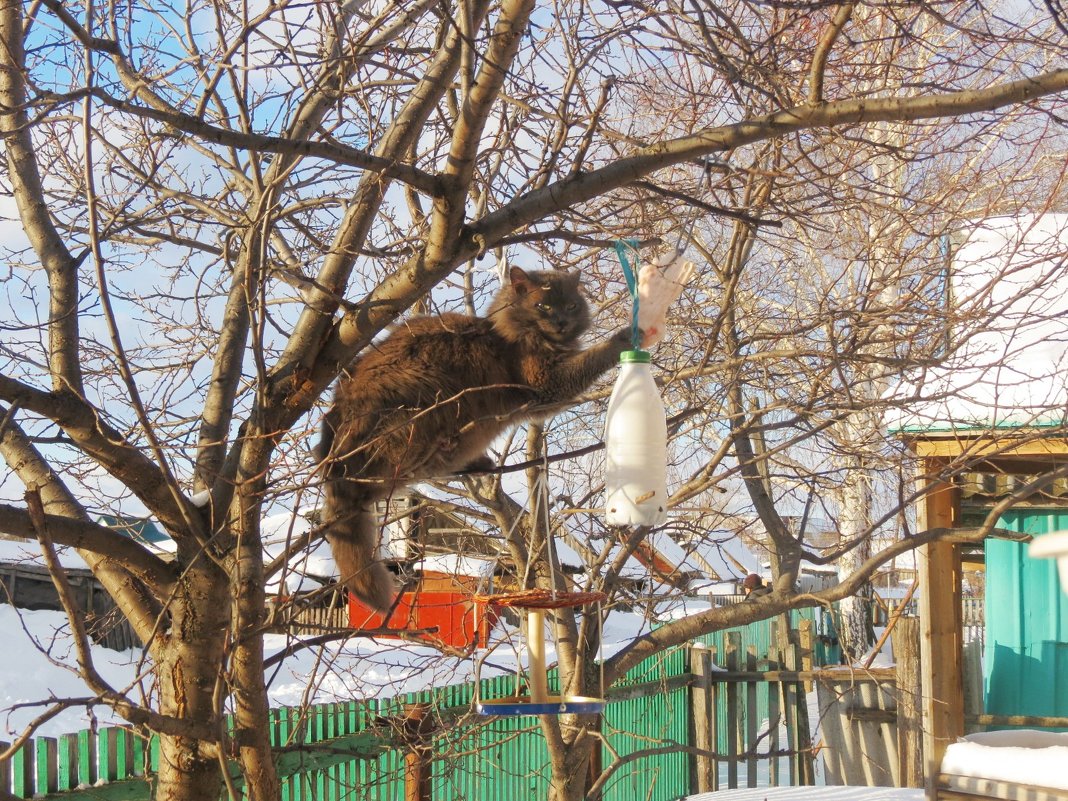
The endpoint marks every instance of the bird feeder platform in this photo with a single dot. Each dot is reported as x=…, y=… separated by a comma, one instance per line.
x=539, y=702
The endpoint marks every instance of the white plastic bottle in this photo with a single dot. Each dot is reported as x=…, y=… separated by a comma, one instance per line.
x=636, y=447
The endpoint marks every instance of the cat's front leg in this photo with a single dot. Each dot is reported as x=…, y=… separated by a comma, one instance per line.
x=577, y=372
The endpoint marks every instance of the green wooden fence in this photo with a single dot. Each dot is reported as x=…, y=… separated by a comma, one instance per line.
x=356, y=751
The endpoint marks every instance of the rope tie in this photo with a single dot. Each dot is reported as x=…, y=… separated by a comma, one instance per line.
x=630, y=273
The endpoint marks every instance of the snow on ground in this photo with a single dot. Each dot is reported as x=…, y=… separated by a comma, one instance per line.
x=40, y=661
x=813, y=794
x=1023, y=756
x=38, y=668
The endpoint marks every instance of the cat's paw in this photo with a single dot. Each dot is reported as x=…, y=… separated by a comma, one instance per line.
x=624, y=340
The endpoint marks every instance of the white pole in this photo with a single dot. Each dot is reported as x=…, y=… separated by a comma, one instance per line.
x=539, y=680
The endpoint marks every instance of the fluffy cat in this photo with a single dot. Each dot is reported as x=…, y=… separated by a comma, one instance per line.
x=430, y=399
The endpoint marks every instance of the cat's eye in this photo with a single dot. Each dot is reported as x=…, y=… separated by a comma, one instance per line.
x=572, y=306
x=543, y=307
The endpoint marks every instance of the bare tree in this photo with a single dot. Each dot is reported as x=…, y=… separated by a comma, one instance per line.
x=222, y=208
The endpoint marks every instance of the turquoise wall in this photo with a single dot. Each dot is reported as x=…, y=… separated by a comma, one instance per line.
x=1025, y=663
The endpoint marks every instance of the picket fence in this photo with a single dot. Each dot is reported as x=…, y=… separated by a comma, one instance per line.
x=694, y=727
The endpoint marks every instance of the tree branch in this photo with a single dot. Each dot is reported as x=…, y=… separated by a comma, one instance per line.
x=25, y=176
x=573, y=190
x=682, y=631
x=333, y=152
x=88, y=430
x=823, y=50
x=141, y=609
x=85, y=535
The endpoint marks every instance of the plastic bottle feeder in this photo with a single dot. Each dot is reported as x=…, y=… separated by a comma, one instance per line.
x=1053, y=546
x=539, y=702
x=635, y=447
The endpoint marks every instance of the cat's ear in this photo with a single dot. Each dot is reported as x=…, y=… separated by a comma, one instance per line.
x=520, y=280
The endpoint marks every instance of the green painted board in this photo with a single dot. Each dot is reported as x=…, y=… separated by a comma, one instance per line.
x=1025, y=661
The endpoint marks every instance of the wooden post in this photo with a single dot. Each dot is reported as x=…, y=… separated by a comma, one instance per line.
x=795, y=707
x=417, y=729
x=703, y=720
x=940, y=632
x=733, y=647
x=752, y=719
x=906, y=641
x=804, y=634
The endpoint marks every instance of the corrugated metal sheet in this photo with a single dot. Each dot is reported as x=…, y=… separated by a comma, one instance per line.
x=504, y=758
x=508, y=757
x=1025, y=663
x=647, y=723
x=759, y=636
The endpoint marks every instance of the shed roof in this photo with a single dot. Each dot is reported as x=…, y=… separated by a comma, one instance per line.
x=1008, y=369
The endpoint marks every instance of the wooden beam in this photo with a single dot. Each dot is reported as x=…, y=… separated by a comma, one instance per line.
x=940, y=630
x=1032, y=721
x=1034, y=444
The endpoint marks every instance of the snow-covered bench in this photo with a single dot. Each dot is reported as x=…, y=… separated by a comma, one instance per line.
x=1020, y=765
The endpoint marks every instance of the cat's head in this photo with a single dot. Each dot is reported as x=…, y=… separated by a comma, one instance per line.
x=547, y=304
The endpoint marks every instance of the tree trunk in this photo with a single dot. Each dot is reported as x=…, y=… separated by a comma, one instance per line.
x=855, y=629
x=248, y=686
x=189, y=665
x=571, y=767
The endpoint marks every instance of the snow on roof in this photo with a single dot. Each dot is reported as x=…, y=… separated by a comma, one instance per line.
x=1014, y=371
x=309, y=569
x=718, y=553
x=456, y=565
x=711, y=555
x=28, y=552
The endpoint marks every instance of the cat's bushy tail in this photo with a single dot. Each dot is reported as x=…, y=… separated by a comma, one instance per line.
x=352, y=530
x=353, y=540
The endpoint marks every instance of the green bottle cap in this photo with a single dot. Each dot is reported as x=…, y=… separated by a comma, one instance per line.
x=635, y=357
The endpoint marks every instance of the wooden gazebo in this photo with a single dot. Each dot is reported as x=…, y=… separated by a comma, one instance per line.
x=1018, y=451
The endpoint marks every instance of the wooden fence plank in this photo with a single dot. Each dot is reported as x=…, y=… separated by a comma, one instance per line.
x=137, y=743
x=5, y=771
x=22, y=771
x=906, y=644
x=752, y=720
x=774, y=722
x=803, y=773
x=804, y=639
x=123, y=754
x=789, y=713
x=45, y=759
x=734, y=717
x=704, y=714
x=105, y=755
